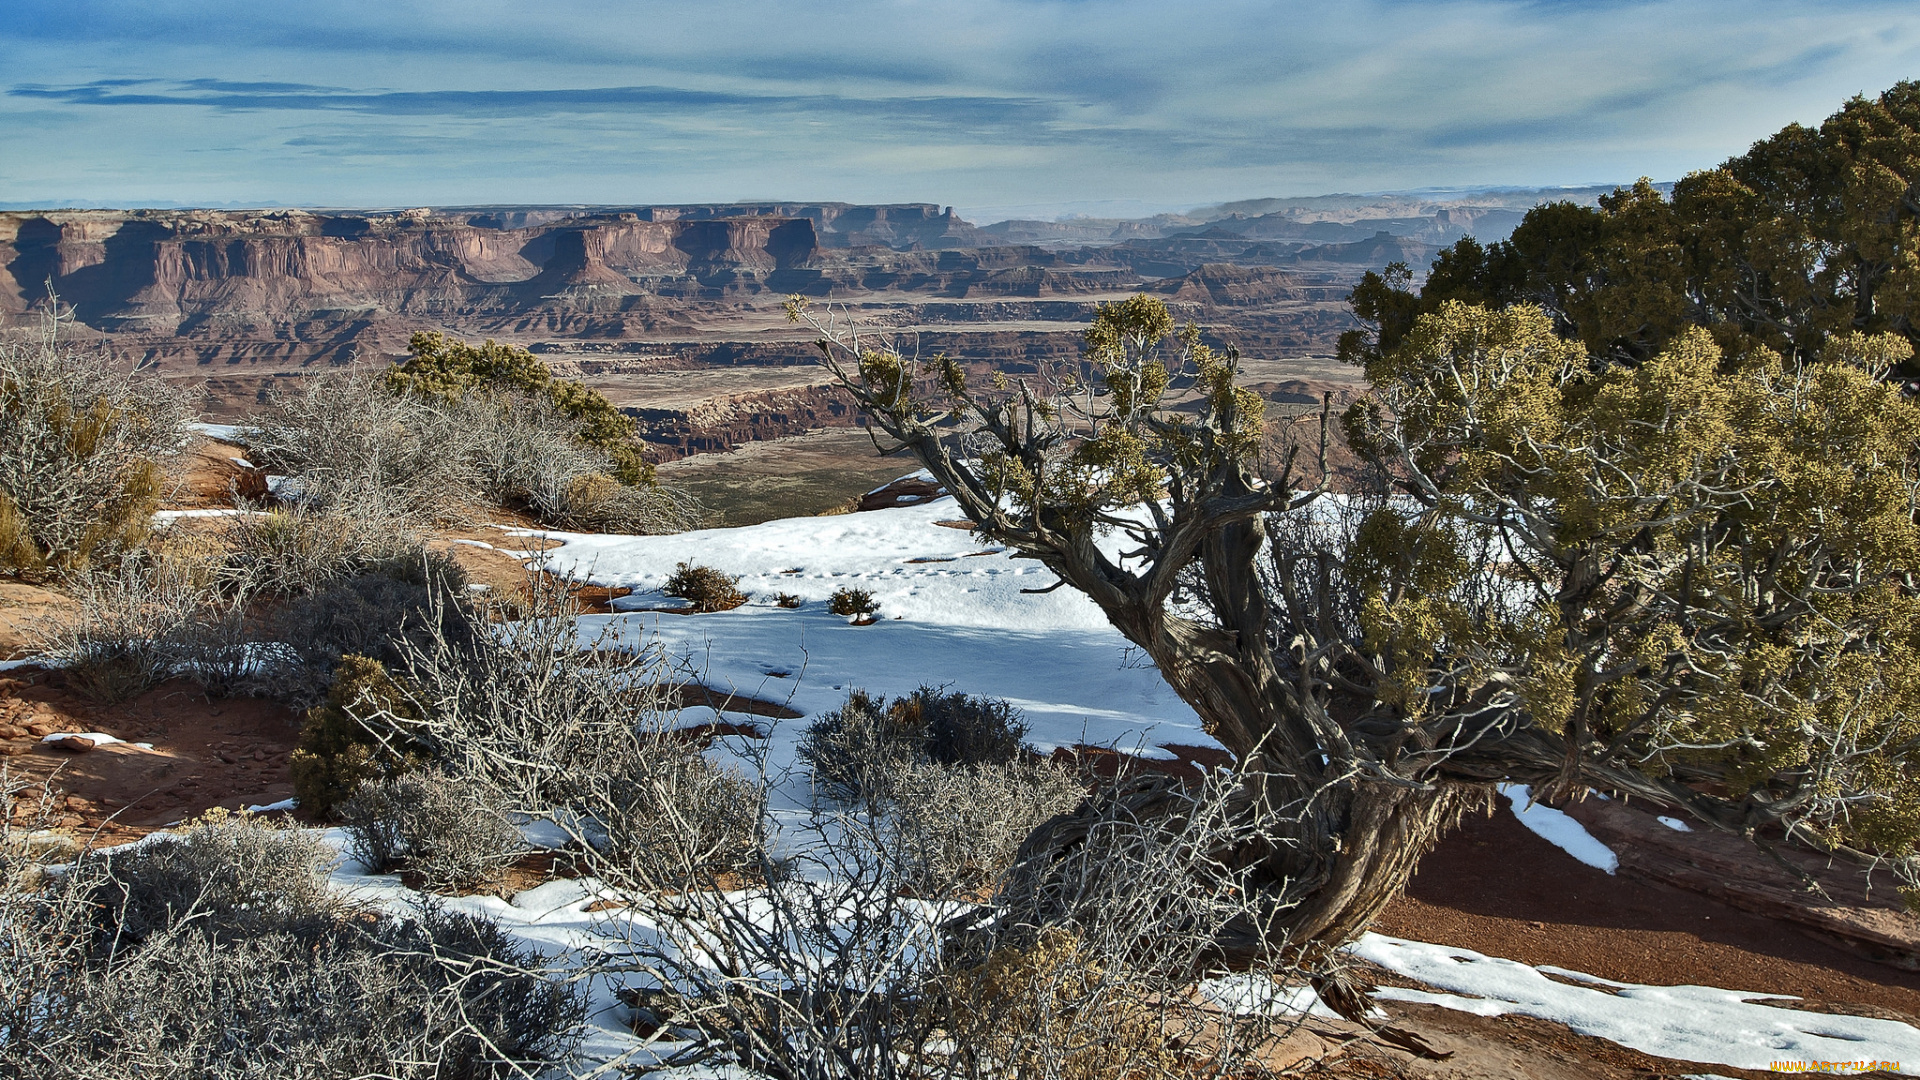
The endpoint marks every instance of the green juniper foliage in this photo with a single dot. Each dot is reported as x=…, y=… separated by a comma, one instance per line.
x=1639, y=515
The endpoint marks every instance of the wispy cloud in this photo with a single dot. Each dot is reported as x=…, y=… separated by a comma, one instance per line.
x=993, y=102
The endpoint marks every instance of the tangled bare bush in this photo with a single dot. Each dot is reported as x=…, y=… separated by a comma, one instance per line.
x=141, y=625
x=520, y=706
x=668, y=817
x=220, y=954
x=300, y=549
x=232, y=877
x=351, y=447
x=361, y=445
x=840, y=967
x=82, y=445
x=958, y=828
x=545, y=723
x=1108, y=962
x=596, y=502
x=448, y=833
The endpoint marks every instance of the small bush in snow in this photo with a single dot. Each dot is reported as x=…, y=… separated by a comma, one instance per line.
x=704, y=587
x=448, y=833
x=788, y=600
x=962, y=729
x=82, y=444
x=862, y=749
x=855, y=603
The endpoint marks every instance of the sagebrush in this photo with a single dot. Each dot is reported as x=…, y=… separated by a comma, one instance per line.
x=83, y=448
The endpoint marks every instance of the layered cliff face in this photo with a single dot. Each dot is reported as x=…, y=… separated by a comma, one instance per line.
x=157, y=271
x=231, y=304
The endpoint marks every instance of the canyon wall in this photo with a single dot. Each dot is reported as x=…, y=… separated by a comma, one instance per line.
x=230, y=304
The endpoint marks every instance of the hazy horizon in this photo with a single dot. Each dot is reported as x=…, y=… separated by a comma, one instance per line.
x=975, y=215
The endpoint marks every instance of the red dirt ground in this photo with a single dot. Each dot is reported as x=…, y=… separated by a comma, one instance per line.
x=206, y=753
x=1494, y=887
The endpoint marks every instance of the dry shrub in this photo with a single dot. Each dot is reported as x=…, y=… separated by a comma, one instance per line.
x=82, y=444
x=958, y=828
x=862, y=749
x=704, y=587
x=854, y=603
x=374, y=448
x=300, y=549
x=232, y=877
x=1051, y=1009
x=962, y=729
x=446, y=832
x=366, y=615
x=596, y=502
x=141, y=625
x=671, y=818
x=788, y=600
x=353, y=449
x=220, y=953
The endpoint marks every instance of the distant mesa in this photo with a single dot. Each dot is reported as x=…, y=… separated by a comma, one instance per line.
x=229, y=302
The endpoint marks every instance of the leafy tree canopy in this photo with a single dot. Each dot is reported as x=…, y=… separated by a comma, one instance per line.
x=1812, y=233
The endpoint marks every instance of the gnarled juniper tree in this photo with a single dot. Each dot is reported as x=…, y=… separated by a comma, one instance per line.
x=1690, y=579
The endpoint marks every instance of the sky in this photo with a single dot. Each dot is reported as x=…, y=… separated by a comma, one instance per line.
x=997, y=107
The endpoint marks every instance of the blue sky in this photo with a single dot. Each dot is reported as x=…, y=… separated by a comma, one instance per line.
x=997, y=107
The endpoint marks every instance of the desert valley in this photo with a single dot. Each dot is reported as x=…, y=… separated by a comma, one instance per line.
x=486, y=596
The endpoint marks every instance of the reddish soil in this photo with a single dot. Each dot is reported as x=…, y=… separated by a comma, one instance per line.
x=1494, y=887
x=205, y=753
x=208, y=476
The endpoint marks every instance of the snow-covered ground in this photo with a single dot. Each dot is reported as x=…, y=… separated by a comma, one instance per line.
x=953, y=612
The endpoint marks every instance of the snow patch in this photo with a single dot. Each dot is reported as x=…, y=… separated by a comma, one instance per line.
x=98, y=738
x=1556, y=828
x=1690, y=1023
x=227, y=433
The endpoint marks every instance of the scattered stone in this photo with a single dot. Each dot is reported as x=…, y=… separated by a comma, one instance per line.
x=73, y=744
